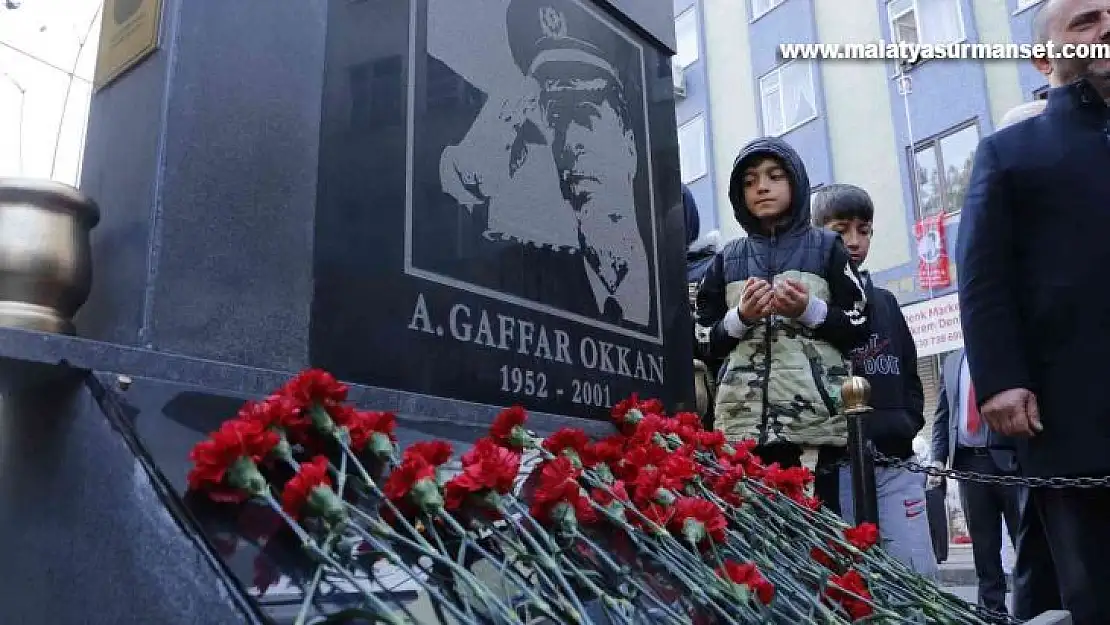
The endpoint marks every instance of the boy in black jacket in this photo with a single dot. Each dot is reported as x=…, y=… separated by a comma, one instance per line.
x=889, y=362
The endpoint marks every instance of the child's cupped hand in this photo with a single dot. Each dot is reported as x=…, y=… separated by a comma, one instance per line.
x=790, y=298
x=756, y=301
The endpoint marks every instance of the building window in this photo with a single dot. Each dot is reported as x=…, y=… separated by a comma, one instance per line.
x=762, y=7
x=788, y=97
x=686, y=36
x=1040, y=93
x=925, y=21
x=943, y=170
x=692, y=158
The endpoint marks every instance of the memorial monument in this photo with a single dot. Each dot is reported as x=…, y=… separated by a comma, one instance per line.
x=454, y=205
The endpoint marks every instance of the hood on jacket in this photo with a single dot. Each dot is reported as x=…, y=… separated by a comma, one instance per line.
x=693, y=220
x=799, y=184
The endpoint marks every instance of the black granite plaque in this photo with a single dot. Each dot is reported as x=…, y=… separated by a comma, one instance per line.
x=491, y=221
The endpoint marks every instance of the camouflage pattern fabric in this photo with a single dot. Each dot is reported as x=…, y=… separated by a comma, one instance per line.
x=799, y=381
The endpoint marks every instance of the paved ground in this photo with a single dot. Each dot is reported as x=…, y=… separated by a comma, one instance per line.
x=959, y=568
x=957, y=573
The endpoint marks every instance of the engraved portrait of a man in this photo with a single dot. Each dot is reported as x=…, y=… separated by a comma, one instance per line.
x=554, y=162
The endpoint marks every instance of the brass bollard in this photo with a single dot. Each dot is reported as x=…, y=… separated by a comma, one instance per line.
x=45, y=255
x=854, y=394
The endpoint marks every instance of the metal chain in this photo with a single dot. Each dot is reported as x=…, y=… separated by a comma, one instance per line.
x=1003, y=480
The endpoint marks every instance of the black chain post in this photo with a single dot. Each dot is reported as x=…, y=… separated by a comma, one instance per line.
x=855, y=393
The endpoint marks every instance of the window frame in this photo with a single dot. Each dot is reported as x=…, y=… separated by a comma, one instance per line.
x=916, y=9
x=778, y=72
x=934, y=142
x=755, y=16
x=695, y=18
x=704, y=141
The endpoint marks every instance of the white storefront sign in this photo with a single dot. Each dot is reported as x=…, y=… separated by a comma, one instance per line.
x=935, y=325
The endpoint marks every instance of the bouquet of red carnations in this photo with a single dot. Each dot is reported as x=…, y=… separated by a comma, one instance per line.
x=662, y=522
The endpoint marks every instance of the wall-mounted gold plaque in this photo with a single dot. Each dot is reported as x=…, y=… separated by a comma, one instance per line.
x=128, y=34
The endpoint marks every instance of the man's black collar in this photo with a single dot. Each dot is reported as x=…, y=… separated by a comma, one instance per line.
x=1076, y=95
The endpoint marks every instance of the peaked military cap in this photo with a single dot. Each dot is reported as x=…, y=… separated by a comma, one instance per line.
x=559, y=31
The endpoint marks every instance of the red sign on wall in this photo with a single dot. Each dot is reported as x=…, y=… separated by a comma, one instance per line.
x=932, y=253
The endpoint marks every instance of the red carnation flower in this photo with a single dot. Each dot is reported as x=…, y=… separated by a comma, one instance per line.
x=609, y=451
x=850, y=591
x=656, y=513
x=629, y=412
x=748, y=574
x=374, y=429
x=698, y=519
x=611, y=493
x=279, y=413
x=686, y=426
x=640, y=458
x=413, y=482
x=435, y=453
x=791, y=482
x=727, y=485
x=508, y=428
x=713, y=440
x=679, y=469
x=652, y=485
x=225, y=464
x=558, y=493
x=740, y=453
x=309, y=491
x=487, y=467
x=572, y=442
x=649, y=431
x=315, y=387
x=863, y=536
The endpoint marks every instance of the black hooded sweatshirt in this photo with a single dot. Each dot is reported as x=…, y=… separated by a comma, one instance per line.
x=889, y=362
x=794, y=245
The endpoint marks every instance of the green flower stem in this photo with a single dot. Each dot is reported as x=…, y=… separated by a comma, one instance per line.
x=544, y=559
x=309, y=595
x=460, y=562
x=676, y=562
x=377, y=492
x=520, y=583
x=310, y=592
x=433, y=592
x=387, y=532
x=385, y=613
x=618, y=570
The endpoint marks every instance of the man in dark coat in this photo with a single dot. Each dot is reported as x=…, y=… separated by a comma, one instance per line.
x=1032, y=257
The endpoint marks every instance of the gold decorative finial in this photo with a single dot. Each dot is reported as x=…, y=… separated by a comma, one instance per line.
x=855, y=393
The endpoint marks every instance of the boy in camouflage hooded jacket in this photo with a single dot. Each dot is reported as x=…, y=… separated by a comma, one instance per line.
x=784, y=306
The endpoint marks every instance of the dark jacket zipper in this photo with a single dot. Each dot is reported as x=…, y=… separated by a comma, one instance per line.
x=769, y=324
